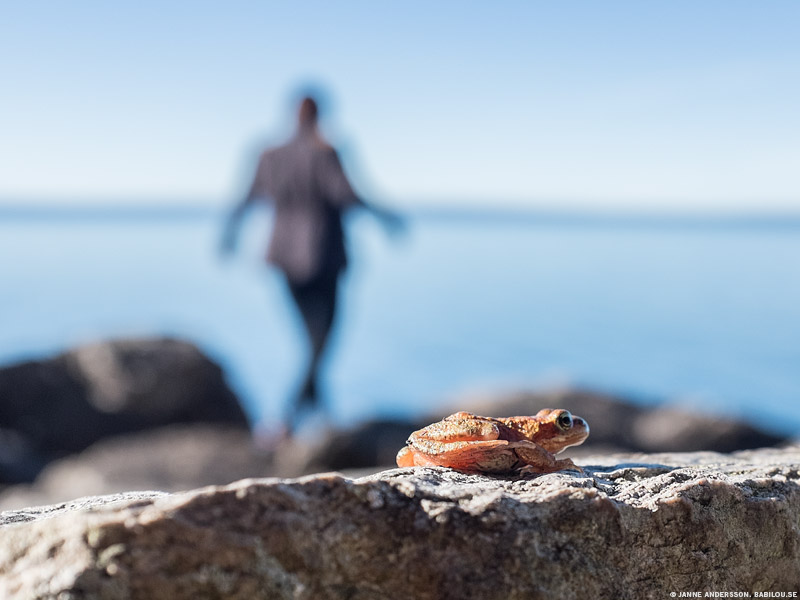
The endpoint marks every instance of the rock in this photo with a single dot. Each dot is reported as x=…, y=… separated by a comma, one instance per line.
x=370, y=444
x=63, y=405
x=669, y=429
x=636, y=526
x=19, y=461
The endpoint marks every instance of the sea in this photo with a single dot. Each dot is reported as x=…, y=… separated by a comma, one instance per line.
x=698, y=312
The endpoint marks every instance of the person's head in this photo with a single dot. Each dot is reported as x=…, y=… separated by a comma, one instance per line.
x=308, y=113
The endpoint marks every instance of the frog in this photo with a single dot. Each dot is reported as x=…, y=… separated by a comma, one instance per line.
x=506, y=445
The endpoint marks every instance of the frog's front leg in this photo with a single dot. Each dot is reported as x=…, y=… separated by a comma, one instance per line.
x=538, y=460
x=405, y=458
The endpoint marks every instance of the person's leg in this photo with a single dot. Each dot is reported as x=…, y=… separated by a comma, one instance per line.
x=316, y=301
x=319, y=328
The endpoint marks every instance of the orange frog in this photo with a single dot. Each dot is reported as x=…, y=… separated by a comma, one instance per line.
x=470, y=443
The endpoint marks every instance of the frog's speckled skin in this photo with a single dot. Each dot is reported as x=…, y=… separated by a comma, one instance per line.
x=470, y=443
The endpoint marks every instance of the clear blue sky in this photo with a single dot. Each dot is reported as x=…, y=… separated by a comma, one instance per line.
x=650, y=104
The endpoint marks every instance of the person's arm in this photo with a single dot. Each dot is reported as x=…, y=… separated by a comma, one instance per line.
x=392, y=221
x=342, y=194
x=233, y=222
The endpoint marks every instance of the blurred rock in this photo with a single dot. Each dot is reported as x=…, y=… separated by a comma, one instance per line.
x=19, y=461
x=630, y=526
x=370, y=444
x=64, y=404
x=668, y=429
x=171, y=459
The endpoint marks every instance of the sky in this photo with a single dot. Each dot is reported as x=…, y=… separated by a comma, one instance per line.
x=650, y=105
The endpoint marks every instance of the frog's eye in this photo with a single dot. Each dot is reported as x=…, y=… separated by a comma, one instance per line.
x=564, y=421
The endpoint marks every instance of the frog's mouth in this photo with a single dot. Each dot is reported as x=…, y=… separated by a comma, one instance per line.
x=574, y=436
x=578, y=433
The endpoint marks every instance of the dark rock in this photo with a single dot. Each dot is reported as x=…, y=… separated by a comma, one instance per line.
x=19, y=462
x=370, y=444
x=629, y=527
x=63, y=405
x=668, y=429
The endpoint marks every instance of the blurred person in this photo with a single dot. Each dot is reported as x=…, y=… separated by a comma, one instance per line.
x=306, y=183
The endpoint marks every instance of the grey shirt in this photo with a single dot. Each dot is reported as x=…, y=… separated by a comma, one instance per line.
x=305, y=181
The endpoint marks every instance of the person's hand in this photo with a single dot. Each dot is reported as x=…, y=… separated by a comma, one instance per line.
x=230, y=232
x=227, y=246
x=394, y=223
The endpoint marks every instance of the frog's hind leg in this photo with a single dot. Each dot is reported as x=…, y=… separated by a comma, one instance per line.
x=472, y=456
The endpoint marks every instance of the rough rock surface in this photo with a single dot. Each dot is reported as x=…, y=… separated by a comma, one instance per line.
x=636, y=526
x=62, y=405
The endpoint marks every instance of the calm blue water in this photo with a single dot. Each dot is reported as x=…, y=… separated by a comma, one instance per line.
x=705, y=316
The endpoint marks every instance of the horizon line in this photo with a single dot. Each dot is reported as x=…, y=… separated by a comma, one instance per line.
x=542, y=215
